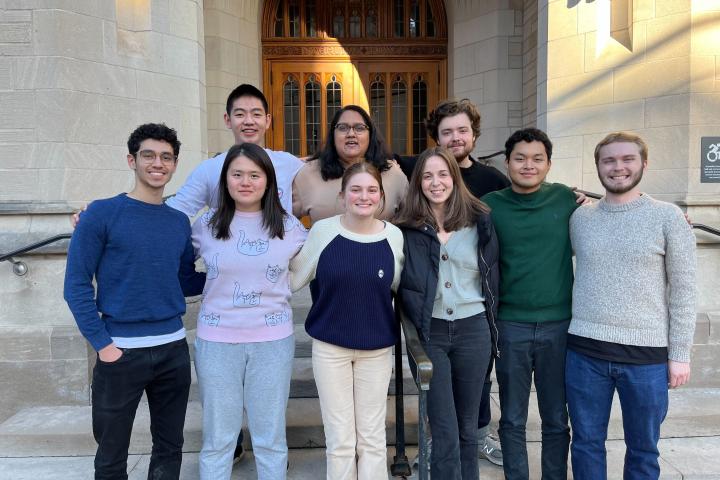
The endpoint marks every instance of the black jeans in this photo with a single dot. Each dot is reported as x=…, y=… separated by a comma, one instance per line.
x=163, y=372
x=460, y=352
x=484, y=415
x=527, y=348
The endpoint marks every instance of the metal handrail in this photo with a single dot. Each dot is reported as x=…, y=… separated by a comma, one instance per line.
x=19, y=267
x=424, y=370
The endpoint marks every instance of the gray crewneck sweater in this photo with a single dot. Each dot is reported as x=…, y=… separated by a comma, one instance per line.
x=635, y=275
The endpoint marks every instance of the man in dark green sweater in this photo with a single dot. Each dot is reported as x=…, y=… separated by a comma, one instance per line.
x=531, y=219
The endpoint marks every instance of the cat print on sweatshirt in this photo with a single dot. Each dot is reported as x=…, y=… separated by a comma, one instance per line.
x=243, y=299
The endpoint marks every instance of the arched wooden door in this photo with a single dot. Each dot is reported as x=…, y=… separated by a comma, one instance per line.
x=388, y=56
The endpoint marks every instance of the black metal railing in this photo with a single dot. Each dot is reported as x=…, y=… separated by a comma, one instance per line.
x=423, y=373
x=19, y=267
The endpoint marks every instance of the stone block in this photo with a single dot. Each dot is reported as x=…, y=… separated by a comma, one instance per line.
x=665, y=111
x=483, y=27
x=22, y=344
x=222, y=24
x=704, y=108
x=15, y=16
x=168, y=89
x=562, y=20
x=566, y=56
x=652, y=79
x=184, y=17
x=18, y=184
x=67, y=343
x=43, y=382
x=567, y=171
x=604, y=53
x=64, y=33
x=7, y=69
x=596, y=119
x=705, y=364
x=668, y=37
x=82, y=185
x=567, y=147
x=702, y=74
x=702, y=329
x=581, y=90
x=15, y=32
x=8, y=135
x=714, y=328
x=502, y=85
x=587, y=17
x=494, y=115
x=708, y=271
x=75, y=75
x=668, y=147
x=18, y=110
x=181, y=57
x=706, y=33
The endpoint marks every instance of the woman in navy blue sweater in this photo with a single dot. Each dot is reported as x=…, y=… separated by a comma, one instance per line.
x=449, y=289
x=353, y=263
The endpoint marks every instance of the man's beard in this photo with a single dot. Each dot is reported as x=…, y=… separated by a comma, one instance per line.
x=619, y=190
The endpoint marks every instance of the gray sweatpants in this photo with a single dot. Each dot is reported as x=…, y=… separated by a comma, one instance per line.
x=253, y=376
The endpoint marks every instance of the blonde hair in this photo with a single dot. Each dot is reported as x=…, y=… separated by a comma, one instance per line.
x=622, y=137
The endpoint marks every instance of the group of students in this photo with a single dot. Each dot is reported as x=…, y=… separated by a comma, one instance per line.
x=481, y=280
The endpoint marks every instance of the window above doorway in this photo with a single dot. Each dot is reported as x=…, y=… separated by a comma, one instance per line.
x=355, y=19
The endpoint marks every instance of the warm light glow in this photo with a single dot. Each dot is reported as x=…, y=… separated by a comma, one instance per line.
x=133, y=15
x=602, y=35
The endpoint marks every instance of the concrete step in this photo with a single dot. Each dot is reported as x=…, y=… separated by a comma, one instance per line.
x=67, y=430
x=680, y=459
x=302, y=383
x=62, y=431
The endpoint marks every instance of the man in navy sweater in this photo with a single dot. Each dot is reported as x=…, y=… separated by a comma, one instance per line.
x=140, y=254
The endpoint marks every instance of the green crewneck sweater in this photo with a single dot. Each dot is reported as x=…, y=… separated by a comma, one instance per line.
x=536, y=273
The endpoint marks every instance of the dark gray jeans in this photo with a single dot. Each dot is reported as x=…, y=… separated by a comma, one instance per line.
x=527, y=349
x=460, y=352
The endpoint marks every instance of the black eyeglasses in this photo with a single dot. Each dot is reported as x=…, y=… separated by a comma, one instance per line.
x=358, y=128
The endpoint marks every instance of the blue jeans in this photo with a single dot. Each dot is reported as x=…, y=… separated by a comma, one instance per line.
x=528, y=349
x=643, y=392
x=460, y=352
x=163, y=373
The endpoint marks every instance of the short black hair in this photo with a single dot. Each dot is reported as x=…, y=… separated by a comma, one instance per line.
x=154, y=131
x=528, y=135
x=245, y=90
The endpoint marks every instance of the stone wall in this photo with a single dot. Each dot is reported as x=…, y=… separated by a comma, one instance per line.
x=486, y=65
x=233, y=56
x=75, y=79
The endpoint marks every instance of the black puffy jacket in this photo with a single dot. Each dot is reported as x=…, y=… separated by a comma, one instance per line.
x=419, y=279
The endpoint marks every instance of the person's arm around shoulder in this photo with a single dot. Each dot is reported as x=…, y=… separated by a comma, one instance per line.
x=196, y=192
x=304, y=264
x=396, y=240
x=680, y=268
x=300, y=186
x=192, y=282
x=84, y=255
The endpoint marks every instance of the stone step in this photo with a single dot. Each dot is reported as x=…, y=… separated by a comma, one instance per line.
x=61, y=431
x=58, y=431
x=680, y=458
x=302, y=382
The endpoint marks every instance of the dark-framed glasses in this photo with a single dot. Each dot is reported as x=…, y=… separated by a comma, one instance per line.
x=357, y=128
x=149, y=156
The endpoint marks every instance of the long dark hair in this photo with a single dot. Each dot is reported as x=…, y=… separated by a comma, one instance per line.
x=272, y=211
x=377, y=152
x=462, y=209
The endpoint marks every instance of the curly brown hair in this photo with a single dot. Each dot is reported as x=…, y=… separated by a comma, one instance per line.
x=450, y=108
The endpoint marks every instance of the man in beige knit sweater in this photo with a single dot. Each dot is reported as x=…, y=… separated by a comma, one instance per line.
x=633, y=313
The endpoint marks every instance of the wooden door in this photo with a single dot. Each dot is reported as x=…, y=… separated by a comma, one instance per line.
x=305, y=96
x=399, y=96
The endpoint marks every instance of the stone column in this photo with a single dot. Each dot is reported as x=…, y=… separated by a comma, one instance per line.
x=75, y=79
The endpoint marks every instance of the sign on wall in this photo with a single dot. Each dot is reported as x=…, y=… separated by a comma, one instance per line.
x=710, y=160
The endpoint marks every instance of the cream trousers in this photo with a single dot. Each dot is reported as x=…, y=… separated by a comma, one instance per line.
x=353, y=387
